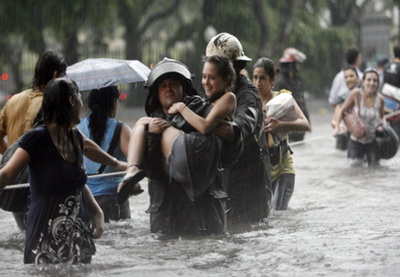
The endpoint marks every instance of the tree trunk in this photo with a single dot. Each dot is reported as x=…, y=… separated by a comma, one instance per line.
x=265, y=46
x=133, y=50
x=16, y=69
x=71, y=46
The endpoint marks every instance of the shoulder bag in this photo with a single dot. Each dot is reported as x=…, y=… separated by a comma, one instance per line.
x=353, y=121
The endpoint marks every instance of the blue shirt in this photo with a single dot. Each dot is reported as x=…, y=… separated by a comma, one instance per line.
x=103, y=185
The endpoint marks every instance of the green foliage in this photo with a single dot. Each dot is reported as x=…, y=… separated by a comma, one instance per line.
x=152, y=29
x=325, y=56
x=324, y=48
x=236, y=17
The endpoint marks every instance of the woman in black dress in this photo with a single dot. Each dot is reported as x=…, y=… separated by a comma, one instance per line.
x=63, y=216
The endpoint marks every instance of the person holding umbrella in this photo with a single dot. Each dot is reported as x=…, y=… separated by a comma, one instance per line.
x=23, y=110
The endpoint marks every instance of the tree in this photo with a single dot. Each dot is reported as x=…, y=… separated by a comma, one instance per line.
x=219, y=16
x=137, y=17
x=35, y=26
x=156, y=28
x=78, y=17
x=268, y=46
x=19, y=34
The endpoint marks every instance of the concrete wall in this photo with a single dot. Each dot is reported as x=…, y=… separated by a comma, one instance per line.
x=375, y=37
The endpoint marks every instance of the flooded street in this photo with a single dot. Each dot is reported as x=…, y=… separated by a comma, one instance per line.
x=341, y=222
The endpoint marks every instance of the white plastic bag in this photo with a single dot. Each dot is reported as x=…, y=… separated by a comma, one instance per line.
x=282, y=107
x=391, y=91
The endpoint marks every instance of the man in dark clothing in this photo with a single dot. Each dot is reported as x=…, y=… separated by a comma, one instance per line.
x=391, y=75
x=290, y=80
x=248, y=179
x=172, y=211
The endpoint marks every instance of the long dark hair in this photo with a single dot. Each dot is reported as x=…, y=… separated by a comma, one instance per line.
x=45, y=67
x=269, y=67
x=102, y=105
x=57, y=108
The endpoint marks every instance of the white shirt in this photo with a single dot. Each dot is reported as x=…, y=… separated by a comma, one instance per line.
x=339, y=87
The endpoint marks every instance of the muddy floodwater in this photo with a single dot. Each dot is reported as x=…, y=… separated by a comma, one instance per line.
x=341, y=222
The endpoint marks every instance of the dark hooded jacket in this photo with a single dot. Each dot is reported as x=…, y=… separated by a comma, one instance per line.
x=172, y=209
x=248, y=180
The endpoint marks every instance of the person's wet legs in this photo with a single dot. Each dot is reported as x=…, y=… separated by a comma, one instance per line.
x=372, y=153
x=136, y=146
x=355, y=153
x=167, y=140
x=134, y=173
x=283, y=187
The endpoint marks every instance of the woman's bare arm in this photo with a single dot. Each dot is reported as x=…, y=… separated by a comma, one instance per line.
x=348, y=103
x=95, y=210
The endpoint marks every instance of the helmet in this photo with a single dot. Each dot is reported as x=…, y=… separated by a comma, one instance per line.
x=388, y=142
x=227, y=45
x=168, y=66
x=162, y=68
x=291, y=55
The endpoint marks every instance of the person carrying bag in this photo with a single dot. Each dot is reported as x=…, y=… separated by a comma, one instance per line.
x=353, y=121
x=369, y=107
